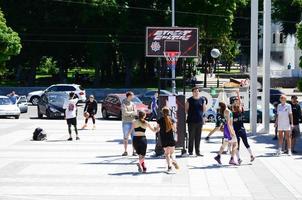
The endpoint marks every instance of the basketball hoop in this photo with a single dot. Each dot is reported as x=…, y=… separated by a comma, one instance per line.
x=171, y=57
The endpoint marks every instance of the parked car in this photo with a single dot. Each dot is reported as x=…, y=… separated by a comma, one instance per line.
x=111, y=106
x=80, y=92
x=259, y=113
x=211, y=113
x=51, y=104
x=146, y=97
x=8, y=108
x=22, y=104
x=274, y=95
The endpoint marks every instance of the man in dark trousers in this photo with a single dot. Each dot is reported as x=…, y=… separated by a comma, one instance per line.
x=296, y=109
x=195, y=108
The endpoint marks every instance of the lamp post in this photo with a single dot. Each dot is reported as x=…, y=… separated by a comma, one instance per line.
x=266, y=63
x=215, y=53
x=254, y=65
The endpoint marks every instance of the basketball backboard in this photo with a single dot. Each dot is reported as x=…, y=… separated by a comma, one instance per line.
x=178, y=39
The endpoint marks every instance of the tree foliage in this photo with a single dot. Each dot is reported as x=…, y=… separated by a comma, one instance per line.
x=9, y=41
x=288, y=12
x=109, y=35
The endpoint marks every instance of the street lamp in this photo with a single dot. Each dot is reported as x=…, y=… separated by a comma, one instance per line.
x=215, y=53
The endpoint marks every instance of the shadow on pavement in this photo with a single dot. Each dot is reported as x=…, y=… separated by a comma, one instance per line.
x=56, y=140
x=265, y=139
x=120, y=141
x=136, y=173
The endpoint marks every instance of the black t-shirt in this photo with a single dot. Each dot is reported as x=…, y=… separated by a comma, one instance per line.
x=91, y=107
x=237, y=120
x=296, y=109
x=195, y=113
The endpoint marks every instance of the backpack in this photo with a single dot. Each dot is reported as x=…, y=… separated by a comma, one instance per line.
x=39, y=135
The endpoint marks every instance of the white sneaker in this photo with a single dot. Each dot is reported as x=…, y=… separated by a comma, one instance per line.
x=278, y=153
x=290, y=153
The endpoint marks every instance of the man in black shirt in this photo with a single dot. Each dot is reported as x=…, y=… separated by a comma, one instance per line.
x=296, y=109
x=195, y=107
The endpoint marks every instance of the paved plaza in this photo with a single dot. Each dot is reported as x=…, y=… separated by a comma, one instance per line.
x=92, y=168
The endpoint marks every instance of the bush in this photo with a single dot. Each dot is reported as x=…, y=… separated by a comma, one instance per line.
x=48, y=66
x=299, y=85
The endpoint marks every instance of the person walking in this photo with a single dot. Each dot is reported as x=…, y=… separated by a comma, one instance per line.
x=154, y=106
x=90, y=110
x=167, y=128
x=139, y=139
x=284, y=122
x=70, y=107
x=195, y=108
x=229, y=135
x=239, y=127
x=128, y=116
x=297, y=117
x=218, y=124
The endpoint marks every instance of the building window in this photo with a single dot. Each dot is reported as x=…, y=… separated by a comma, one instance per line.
x=274, y=38
x=281, y=38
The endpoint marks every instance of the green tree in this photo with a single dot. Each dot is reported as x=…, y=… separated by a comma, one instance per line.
x=10, y=43
x=288, y=12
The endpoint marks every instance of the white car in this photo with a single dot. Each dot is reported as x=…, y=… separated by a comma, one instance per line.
x=8, y=109
x=79, y=91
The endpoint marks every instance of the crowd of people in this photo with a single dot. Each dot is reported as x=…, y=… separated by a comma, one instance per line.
x=229, y=121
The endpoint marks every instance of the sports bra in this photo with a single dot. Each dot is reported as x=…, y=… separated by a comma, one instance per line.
x=139, y=127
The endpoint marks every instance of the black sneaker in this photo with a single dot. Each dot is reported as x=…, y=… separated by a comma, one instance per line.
x=190, y=154
x=125, y=153
x=69, y=139
x=217, y=158
x=134, y=154
x=169, y=169
x=207, y=138
x=294, y=152
x=77, y=138
x=139, y=168
x=199, y=155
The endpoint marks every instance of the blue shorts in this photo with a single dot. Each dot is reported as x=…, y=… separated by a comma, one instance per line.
x=126, y=128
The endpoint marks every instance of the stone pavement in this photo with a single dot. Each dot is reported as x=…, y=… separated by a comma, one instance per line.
x=92, y=168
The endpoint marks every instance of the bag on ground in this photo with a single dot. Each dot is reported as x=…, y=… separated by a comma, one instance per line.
x=39, y=134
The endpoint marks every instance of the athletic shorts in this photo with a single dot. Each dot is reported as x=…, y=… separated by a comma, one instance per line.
x=296, y=131
x=72, y=121
x=233, y=140
x=126, y=128
x=140, y=145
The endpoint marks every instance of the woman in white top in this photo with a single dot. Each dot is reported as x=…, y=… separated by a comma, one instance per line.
x=284, y=122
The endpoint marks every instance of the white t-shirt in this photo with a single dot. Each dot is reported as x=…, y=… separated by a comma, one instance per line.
x=70, y=107
x=283, y=112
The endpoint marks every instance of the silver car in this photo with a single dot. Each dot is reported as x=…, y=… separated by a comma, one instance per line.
x=8, y=109
x=79, y=91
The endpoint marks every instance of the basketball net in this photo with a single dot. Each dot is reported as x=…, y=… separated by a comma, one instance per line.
x=172, y=57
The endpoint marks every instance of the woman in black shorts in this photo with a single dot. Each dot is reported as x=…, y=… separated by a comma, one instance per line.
x=167, y=128
x=139, y=139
